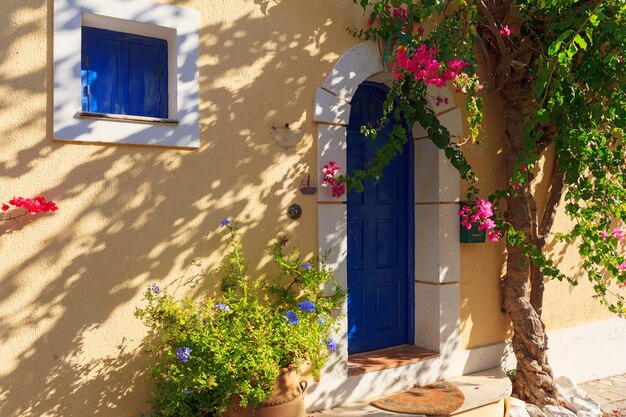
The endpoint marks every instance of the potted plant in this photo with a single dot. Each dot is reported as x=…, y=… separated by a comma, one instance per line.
x=241, y=352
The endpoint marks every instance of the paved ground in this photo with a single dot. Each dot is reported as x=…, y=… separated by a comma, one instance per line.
x=610, y=393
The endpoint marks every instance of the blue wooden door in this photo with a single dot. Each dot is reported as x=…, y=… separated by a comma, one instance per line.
x=380, y=230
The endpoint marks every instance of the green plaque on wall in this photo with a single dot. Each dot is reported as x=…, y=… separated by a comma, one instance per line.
x=472, y=235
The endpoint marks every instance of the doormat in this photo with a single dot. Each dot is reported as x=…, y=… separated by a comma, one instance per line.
x=439, y=398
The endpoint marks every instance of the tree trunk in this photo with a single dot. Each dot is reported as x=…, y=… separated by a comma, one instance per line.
x=534, y=382
x=543, y=228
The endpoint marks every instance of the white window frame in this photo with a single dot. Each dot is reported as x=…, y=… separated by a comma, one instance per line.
x=179, y=26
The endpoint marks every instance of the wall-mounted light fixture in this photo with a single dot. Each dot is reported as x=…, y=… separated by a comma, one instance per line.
x=286, y=136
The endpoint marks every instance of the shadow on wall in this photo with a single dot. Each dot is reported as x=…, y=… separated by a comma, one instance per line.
x=132, y=215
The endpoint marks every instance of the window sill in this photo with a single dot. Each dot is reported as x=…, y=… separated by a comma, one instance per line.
x=127, y=118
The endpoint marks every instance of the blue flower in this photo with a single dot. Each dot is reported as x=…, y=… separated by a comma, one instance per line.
x=308, y=306
x=321, y=319
x=155, y=289
x=307, y=266
x=222, y=307
x=186, y=391
x=331, y=344
x=292, y=318
x=224, y=222
x=183, y=353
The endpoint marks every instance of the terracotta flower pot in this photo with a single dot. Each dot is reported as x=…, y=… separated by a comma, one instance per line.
x=286, y=400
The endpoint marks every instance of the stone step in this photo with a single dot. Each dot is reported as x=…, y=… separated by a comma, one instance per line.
x=485, y=395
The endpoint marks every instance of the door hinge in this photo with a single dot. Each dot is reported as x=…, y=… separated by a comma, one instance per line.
x=87, y=61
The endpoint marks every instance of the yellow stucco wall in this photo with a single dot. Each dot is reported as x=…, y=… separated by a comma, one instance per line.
x=132, y=215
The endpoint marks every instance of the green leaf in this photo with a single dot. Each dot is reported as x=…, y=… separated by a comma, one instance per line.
x=565, y=35
x=541, y=83
x=554, y=48
x=571, y=50
x=580, y=41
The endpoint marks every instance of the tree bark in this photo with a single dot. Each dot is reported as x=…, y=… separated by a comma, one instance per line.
x=534, y=381
x=543, y=229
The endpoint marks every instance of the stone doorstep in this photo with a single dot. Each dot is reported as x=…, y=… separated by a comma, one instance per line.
x=393, y=357
x=480, y=389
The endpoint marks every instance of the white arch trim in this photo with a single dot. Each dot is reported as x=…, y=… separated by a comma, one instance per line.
x=437, y=248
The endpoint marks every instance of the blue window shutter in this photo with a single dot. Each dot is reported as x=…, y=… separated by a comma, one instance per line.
x=124, y=74
x=84, y=75
x=102, y=75
x=146, y=75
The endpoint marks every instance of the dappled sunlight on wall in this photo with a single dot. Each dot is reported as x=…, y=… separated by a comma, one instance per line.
x=565, y=305
x=132, y=215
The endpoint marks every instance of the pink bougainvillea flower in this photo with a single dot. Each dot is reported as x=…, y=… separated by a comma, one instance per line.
x=424, y=66
x=517, y=186
x=5, y=207
x=399, y=12
x=338, y=189
x=484, y=209
x=622, y=266
x=523, y=168
x=457, y=64
x=507, y=31
x=603, y=234
x=420, y=30
x=494, y=235
x=329, y=179
x=487, y=224
x=618, y=233
x=480, y=215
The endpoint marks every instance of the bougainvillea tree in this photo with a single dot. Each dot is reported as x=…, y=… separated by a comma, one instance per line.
x=557, y=68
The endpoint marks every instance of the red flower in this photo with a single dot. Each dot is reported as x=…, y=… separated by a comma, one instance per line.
x=35, y=205
x=507, y=31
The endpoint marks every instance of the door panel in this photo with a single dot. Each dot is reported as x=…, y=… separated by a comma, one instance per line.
x=379, y=225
